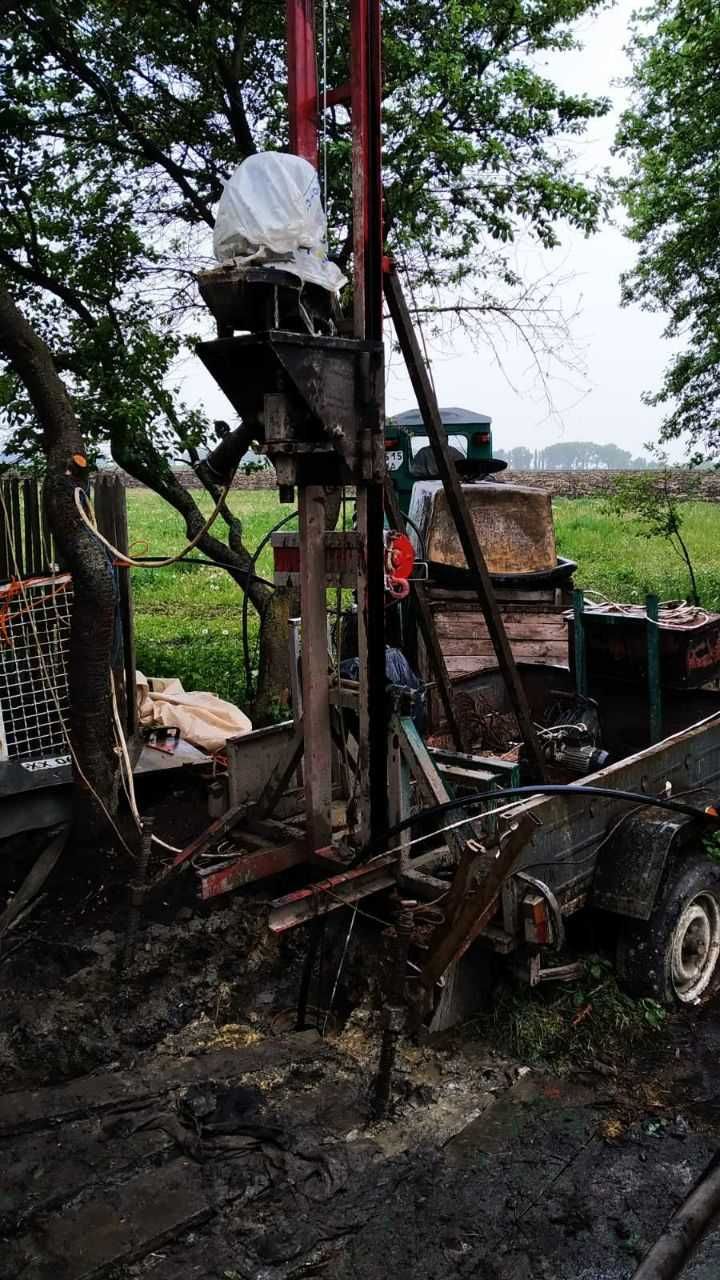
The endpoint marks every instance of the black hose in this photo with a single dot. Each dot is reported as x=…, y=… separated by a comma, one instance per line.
x=214, y=564
x=418, y=535
x=549, y=789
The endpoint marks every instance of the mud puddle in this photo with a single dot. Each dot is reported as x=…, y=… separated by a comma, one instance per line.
x=167, y=1121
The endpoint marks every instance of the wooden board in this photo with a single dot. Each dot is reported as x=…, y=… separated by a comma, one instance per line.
x=468, y=664
x=117, y=1224
x=536, y=630
x=534, y=637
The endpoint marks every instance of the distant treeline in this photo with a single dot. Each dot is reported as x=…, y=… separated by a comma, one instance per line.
x=573, y=455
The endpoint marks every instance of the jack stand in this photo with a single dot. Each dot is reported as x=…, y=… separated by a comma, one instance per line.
x=535, y=973
x=394, y=1013
x=316, y=934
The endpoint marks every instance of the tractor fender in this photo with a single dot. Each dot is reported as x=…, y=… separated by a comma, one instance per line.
x=632, y=861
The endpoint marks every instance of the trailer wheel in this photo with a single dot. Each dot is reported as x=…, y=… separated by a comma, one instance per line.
x=675, y=956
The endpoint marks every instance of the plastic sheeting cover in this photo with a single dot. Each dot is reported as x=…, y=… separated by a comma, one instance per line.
x=270, y=212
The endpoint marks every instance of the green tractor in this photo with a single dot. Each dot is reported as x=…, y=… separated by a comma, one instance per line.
x=409, y=455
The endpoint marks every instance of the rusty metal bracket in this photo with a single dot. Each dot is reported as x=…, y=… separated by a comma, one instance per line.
x=451, y=941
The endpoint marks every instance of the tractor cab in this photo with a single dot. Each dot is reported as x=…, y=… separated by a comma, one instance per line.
x=409, y=456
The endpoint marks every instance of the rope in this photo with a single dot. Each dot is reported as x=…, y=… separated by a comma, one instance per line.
x=126, y=773
x=325, y=102
x=672, y=614
x=82, y=502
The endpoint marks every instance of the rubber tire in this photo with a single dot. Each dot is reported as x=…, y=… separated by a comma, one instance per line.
x=644, y=951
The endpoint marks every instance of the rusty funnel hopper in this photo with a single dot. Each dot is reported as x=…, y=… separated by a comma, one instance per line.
x=514, y=524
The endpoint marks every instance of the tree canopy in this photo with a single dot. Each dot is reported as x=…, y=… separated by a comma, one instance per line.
x=120, y=123
x=572, y=455
x=119, y=126
x=670, y=138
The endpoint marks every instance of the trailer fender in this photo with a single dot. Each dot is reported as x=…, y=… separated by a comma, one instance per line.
x=631, y=863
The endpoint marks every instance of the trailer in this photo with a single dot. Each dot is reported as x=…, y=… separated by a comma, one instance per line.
x=648, y=869
x=630, y=841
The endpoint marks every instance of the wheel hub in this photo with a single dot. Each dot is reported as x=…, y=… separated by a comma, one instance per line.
x=695, y=947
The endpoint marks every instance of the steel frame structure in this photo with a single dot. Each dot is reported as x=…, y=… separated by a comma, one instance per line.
x=320, y=403
x=363, y=97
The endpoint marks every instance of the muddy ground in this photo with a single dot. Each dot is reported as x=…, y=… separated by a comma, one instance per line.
x=168, y=1121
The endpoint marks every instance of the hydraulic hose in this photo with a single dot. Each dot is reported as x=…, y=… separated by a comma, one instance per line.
x=548, y=789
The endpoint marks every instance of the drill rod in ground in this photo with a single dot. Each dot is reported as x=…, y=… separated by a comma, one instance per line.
x=137, y=891
x=394, y=1014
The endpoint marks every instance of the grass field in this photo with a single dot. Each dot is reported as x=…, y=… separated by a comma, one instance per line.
x=188, y=617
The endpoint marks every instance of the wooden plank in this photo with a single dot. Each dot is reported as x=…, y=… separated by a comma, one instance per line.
x=314, y=662
x=120, y=1224
x=52, y=1167
x=504, y=595
x=27, y=528
x=427, y=401
x=469, y=621
x=33, y=501
x=520, y=630
x=28, y=1111
x=483, y=648
x=506, y=606
x=48, y=553
x=472, y=664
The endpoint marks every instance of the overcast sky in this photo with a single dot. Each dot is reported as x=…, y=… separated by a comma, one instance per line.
x=622, y=350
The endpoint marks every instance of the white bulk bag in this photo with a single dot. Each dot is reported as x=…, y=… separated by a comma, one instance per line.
x=270, y=212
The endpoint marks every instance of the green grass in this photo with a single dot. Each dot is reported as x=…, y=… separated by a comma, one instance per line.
x=613, y=557
x=188, y=617
x=560, y=1025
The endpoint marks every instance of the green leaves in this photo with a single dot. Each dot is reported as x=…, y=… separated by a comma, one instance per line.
x=120, y=124
x=670, y=138
x=649, y=499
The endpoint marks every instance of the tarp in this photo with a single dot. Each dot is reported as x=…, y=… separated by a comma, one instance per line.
x=202, y=718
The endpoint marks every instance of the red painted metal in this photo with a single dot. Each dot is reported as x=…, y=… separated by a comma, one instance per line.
x=341, y=554
x=340, y=97
x=302, y=79
x=399, y=554
x=249, y=867
x=328, y=895
x=366, y=83
x=220, y=827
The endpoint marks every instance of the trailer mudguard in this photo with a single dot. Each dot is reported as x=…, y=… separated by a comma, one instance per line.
x=631, y=864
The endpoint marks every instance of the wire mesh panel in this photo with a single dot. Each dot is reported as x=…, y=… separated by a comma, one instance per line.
x=34, y=646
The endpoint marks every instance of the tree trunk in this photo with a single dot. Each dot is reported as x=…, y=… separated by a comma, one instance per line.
x=95, y=765
x=273, y=686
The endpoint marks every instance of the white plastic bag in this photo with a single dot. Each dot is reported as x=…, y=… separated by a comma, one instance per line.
x=271, y=212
